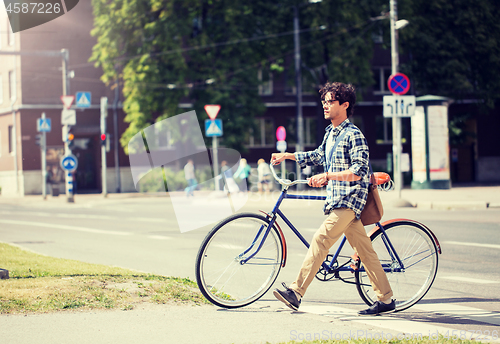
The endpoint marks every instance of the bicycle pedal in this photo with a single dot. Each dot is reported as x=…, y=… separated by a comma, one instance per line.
x=355, y=259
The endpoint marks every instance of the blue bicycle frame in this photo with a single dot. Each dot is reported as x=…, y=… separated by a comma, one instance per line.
x=328, y=267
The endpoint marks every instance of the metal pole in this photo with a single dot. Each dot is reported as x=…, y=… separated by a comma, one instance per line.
x=14, y=129
x=14, y=147
x=67, y=151
x=216, y=162
x=298, y=86
x=396, y=121
x=115, y=138
x=104, y=114
x=43, y=147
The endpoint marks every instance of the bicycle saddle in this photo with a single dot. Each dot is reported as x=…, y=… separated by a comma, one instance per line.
x=380, y=178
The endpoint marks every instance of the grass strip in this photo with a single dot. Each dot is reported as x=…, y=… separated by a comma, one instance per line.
x=40, y=284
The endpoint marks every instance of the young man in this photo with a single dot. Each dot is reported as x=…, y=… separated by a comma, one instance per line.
x=347, y=183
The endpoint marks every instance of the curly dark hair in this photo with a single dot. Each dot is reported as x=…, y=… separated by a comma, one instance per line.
x=341, y=92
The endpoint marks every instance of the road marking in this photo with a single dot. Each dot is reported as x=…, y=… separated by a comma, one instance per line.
x=159, y=237
x=86, y=216
x=465, y=312
x=402, y=328
x=467, y=279
x=64, y=227
x=471, y=244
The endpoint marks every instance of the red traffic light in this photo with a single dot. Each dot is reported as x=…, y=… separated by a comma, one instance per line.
x=103, y=137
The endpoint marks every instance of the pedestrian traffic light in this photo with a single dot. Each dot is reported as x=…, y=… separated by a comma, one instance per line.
x=38, y=139
x=103, y=139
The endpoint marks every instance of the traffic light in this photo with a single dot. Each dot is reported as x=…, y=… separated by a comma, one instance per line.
x=38, y=139
x=105, y=141
x=70, y=138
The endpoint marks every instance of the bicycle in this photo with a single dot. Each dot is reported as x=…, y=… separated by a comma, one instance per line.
x=241, y=257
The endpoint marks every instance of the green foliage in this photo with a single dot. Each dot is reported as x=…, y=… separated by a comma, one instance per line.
x=210, y=51
x=454, y=47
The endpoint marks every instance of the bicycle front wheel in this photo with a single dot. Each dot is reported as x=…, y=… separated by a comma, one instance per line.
x=237, y=263
x=417, y=250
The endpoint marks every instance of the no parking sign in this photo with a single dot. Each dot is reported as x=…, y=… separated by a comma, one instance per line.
x=398, y=83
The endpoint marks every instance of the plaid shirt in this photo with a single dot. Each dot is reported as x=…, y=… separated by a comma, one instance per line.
x=352, y=154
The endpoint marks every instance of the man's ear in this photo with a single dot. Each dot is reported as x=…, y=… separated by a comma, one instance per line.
x=345, y=105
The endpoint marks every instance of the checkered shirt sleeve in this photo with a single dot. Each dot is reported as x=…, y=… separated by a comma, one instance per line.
x=352, y=154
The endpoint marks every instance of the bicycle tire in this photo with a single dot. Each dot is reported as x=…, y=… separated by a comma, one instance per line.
x=219, y=275
x=418, y=252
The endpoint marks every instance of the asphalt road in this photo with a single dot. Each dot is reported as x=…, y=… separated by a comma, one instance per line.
x=143, y=234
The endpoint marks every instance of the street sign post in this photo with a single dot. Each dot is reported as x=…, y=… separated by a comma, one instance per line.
x=213, y=128
x=69, y=163
x=67, y=101
x=83, y=99
x=398, y=83
x=104, y=166
x=212, y=110
x=399, y=106
x=68, y=117
x=43, y=125
x=281, y=146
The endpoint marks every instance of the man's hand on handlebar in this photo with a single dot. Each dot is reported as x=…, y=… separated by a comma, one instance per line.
x=318, y=180
x=278, y=158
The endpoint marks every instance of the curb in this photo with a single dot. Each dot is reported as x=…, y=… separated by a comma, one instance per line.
x=449, y=205
x=4, y=274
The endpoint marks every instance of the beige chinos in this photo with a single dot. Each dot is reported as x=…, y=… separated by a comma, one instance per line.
x=342, y=221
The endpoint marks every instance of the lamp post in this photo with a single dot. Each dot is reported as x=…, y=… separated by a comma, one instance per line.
x=395, y=25
x=299, y=147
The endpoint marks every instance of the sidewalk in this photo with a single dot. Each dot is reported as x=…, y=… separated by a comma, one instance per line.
x=462, y=197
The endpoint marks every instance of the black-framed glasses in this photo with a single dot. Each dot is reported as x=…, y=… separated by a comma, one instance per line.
x=328, y=102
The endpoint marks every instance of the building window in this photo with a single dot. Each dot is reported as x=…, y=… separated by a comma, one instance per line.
x=265, y=83
x=11, y=139
x=1, y=89
x=12, y=86
x=381, y=75
x=263, y=135
x=309, y=130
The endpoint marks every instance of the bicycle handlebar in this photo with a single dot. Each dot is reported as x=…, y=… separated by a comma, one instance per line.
x=383, y=182
x=286, y=182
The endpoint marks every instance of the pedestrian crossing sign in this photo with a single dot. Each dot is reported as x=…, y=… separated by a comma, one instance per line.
x=213, y=127
x=83, y=99
x=43, y=125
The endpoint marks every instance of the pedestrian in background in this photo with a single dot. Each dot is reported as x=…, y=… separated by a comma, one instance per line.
x=190, y=178
x=227, y=174
x=242, y=173
x=264, y=175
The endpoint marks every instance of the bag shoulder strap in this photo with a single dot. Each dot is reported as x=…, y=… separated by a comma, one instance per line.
x=338, y=139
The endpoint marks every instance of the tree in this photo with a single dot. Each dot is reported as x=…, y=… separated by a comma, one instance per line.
x=209, y=51
x=454, y=47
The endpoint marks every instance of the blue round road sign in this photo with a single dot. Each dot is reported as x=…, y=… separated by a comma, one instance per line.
x=398, y=83
x=69, y=163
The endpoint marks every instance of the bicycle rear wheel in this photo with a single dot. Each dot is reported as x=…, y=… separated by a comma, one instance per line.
x=418, y=252
x=221, y=273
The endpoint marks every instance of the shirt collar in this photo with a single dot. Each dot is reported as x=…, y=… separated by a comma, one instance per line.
x=338, y=128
